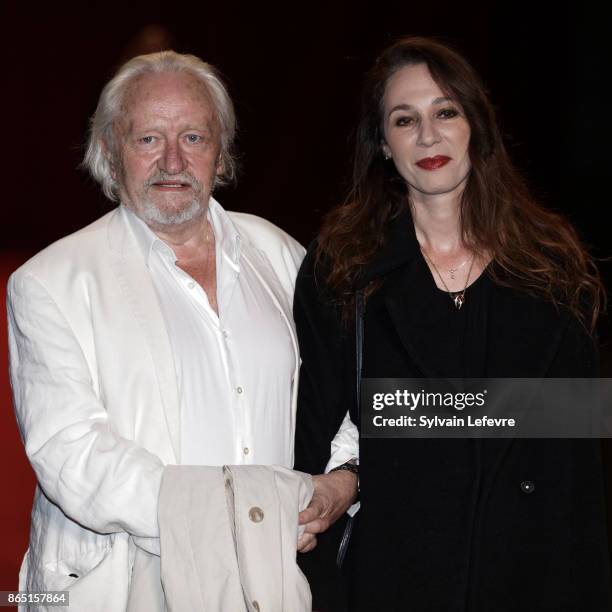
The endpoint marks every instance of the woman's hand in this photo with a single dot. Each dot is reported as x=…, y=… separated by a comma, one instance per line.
x=333, y=494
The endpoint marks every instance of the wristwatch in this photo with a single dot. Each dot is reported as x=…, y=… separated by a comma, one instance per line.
x=353, y=467
x=349, y=466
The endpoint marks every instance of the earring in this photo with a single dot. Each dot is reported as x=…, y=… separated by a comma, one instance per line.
x=386, y=156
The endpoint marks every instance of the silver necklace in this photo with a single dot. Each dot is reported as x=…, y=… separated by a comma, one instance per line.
x=458, y=297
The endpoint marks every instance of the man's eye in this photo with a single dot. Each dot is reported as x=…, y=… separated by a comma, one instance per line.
x=146, y=139
x=193, y=138
x=448, y=113
x=404, y=121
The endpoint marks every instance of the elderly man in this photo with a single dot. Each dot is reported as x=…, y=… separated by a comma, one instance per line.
x=160, y=334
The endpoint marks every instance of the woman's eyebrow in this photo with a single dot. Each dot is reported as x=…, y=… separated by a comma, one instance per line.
x=407, y=107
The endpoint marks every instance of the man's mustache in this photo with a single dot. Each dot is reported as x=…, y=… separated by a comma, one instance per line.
x=185, y=178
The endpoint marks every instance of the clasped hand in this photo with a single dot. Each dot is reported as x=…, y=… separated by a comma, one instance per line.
x=333, y=494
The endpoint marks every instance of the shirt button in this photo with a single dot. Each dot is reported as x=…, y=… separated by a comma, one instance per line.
x=238, y=390
x=245, y=450
x=527, y=486
x=256, y=605
x=225, y=333
x=191, y=284
x=256, y=514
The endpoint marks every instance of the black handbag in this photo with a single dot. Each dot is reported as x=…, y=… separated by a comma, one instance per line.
x=359, y=307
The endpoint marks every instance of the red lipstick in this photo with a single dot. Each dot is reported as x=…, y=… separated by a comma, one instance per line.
x=433, y=163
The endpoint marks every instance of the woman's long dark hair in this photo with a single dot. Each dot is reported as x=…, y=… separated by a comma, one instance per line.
x=532, y=248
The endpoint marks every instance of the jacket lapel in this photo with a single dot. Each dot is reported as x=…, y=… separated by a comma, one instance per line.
x=523, y=334
x=409, y=308
x=135, y=282
x=264, y=271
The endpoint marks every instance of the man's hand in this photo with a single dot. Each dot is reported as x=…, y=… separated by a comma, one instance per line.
x=333, y=495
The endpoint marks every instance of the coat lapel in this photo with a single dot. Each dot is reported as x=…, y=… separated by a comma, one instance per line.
x=523, y=334
x=410, y=308
x=264, y=271
x=135, y=282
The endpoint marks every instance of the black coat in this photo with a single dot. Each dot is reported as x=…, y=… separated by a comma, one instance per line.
x=444, y=525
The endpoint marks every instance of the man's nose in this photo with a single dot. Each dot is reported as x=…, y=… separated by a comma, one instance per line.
x=428, y=134
x=171, y=160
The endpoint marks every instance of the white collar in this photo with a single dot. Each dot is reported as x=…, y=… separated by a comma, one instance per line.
x=226, y=235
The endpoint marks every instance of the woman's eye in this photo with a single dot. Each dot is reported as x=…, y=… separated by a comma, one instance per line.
x=403, y=121
x=448, y=113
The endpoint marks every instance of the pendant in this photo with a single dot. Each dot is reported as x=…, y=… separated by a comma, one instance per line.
x=459, y=299
x=452, y=272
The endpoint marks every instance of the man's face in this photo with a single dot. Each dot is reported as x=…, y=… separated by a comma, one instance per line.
x=167, y=151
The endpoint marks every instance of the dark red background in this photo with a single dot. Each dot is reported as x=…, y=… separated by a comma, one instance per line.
x=294, y=73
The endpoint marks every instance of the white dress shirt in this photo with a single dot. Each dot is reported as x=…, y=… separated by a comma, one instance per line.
x=234, y=370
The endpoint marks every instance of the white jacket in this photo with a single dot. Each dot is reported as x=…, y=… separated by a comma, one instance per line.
x=96, y=399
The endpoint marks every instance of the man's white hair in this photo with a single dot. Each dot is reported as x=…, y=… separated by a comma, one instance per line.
x=102, y=123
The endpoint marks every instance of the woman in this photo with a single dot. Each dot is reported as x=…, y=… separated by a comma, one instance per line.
x=463, y=275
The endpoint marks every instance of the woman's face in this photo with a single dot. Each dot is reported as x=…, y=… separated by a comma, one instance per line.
x=426, y=133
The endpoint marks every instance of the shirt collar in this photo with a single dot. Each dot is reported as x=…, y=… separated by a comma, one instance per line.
x=226, y=235
x=227, y=238
x=145, y=238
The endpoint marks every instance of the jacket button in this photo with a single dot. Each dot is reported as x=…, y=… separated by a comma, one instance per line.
x=527, y=486
x=256, y=605
x=256, y=514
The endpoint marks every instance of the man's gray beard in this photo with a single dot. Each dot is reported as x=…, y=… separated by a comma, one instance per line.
x=152, y=215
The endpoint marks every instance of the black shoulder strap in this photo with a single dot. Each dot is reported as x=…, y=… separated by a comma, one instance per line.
x=358, y=349
x=359, y=307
